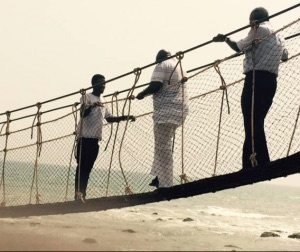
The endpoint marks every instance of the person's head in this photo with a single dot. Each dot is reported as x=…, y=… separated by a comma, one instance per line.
x=162, y=54
x=258, y=14
x=98, y=83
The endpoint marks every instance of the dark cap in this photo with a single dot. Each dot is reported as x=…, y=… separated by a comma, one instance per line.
x=162, y=54
x=258, y=14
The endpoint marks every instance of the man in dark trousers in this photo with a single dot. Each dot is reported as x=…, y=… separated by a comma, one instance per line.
x=93, y=111
x=262, y=58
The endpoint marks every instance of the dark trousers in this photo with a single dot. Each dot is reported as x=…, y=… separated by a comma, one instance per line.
x=86, y=155
x=265, y=88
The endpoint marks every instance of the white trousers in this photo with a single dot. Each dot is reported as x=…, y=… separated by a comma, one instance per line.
x=162, y=166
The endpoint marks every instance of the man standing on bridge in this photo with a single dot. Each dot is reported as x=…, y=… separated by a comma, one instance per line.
x=263, y=51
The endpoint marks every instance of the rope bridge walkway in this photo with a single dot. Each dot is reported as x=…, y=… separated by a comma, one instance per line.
x=37, y=150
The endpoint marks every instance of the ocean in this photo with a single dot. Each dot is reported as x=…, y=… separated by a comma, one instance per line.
x=229, y=220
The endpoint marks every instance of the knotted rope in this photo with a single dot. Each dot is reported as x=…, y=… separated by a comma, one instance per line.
x=252, y=157
x=115, y=95
x=137, y=73
x=180, y=56
x=79, y=194
x=2, y=182
x=223, y=87
x=38, y=153
x=75, y=115
x=39, y=130
x=295, y=127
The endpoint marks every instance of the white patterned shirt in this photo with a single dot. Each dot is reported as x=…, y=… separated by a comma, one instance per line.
x=92, y=124
x=169, y=104
x=268, y=53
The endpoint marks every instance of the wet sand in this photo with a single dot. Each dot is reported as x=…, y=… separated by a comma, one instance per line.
x=154, y=227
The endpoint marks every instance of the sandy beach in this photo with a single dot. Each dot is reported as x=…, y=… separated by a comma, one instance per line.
x=168, y=226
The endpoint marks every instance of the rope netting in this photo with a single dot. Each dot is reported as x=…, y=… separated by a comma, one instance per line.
x=38, y=164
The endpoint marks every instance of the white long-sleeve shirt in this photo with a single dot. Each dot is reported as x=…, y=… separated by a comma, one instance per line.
x=268, y=52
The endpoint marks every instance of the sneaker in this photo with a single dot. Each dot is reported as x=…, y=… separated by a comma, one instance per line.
x=154, y=182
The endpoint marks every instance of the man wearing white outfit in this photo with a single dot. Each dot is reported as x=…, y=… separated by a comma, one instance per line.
x=170, y=108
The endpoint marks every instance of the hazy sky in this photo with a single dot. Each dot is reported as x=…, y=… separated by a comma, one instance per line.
x=51, y=48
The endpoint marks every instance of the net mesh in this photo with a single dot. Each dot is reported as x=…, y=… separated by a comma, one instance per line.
x=37, y=158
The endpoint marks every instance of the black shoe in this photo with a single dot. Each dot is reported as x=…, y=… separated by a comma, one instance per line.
x=154, y=182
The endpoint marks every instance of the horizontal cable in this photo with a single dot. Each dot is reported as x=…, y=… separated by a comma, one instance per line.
x=154, y=63
x=292, y=36
x=125, y=90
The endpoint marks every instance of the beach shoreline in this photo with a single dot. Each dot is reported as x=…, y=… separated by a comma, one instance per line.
x=168, y=226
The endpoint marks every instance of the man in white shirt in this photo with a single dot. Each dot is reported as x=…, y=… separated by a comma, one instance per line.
x=93, y=111
x=265, y=63
x=170, y=108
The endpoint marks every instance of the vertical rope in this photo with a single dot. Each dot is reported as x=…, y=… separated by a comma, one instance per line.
x=79, y=194
x=74, y=112
x=253, y=155
x=115, y=95
x=2, y=182
x=290, y=145
x=112, y=111
x=180, y=56
x=38, y=153
x=224, y=88
x=137, y=72
x=75, y=115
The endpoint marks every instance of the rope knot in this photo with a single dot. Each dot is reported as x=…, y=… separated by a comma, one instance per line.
x=82, y=91
x=255, y=42
x=39, y=105
x=184, y=178
x=38, y=198
x=179, y=55
x=137, y=71
x=216, y=63
x=8, y=113
x=223, y=87
x=128, y=190
x=184, y=80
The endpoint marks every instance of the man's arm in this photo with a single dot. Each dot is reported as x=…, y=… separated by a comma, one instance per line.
x=85, y=111
x=113, y=119
x=153, y=88
x=231, y=43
